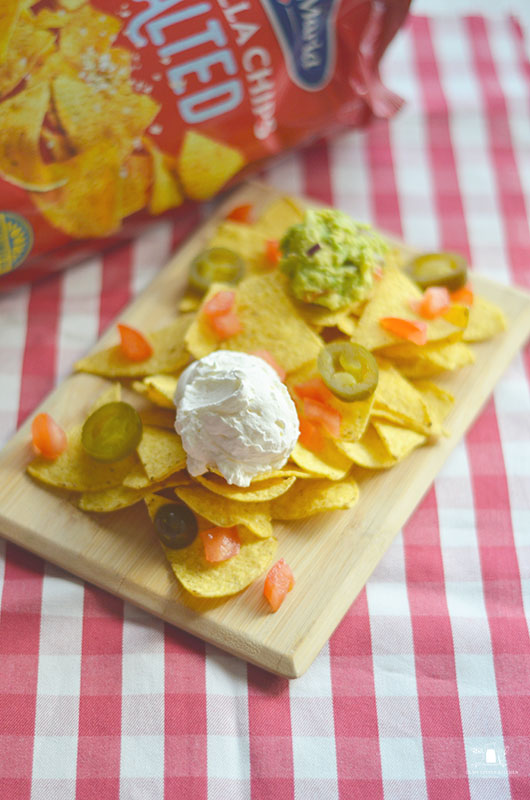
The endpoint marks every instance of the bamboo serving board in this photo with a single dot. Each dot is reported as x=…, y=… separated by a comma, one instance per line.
x=332, y=555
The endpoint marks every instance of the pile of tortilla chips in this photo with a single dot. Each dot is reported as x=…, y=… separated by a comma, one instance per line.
x=74, y=123
x=406, y=411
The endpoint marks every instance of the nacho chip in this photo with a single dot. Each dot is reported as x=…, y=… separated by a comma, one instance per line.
x=135, y=181
x=226, y=512
x=120, y=496
x=160, y=389
x=21, y=118
x=327, y=463
x=307, y=498
x=87, y=27
x=56, y=144
x=277, y=217
x=90, y=117
x=190, y=301
x=439, y=402
x=88, y=203
x=75, y=470
x=369, y=452
x=169, y=355
x=419, y=362
x=396, y=395
x=158, y=417
x=26, y=44
x=9, y=11
x=270, y=322
x=165, y=191
x=398, y=441
x=392, y=299
x=161, y=453
x=485, y=320
x=258, y=492
x=204, y=165
x=243, y=239
x=72, y=5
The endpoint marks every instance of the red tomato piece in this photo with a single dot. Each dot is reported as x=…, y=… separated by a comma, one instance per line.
x=49, y=439
x=413, y=330
x=240, y=213
x=273, y=252
x=226, y=325
x=435, y=302
x=278, y=582
x=220, y=544
x=322, y=414
x=315, y=388
x=464, y=296
x=134, y=345
x=221, y=303
x=310, y=435
x=266, y=356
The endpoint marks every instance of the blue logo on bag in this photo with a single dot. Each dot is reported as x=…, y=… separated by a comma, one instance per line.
x=16, y=240
x=305, y=31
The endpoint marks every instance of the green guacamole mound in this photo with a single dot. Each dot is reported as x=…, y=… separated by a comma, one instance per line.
x=329, y=259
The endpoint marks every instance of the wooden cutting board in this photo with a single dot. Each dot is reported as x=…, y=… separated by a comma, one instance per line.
x=332, y=555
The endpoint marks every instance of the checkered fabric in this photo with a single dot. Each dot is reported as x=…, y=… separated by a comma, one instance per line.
x=422, y=691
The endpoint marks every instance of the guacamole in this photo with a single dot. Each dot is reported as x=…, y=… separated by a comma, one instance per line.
x=329, y=259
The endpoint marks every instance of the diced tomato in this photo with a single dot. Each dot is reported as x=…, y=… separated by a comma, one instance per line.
x=226, y=325
x=220, y=544
x=464, y=296
x=273, y=252
x=266, y=356
x=315, y=388
x=413, y=330
x=134, y=345
x=220, y=303
x=278, y=582
x=434, y=302
x=240, y=213
x=49, y=440
x=310, y=435
x=326, y=416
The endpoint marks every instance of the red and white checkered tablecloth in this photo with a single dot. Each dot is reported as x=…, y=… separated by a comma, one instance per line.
x=423, y=690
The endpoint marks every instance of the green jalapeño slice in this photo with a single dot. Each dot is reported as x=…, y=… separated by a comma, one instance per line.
x=348, y=370
x=176, y=525
x=216, y=265
x=439, y=269
x=112, y=432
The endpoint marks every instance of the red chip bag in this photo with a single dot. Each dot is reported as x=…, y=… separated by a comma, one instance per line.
x=112, y=114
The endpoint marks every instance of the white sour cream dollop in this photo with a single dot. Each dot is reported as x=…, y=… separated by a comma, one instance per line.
x=234, y=415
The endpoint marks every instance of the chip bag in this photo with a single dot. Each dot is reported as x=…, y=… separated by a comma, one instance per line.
x=114, y=114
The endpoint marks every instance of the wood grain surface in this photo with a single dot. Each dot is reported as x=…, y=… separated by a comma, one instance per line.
x=332, y=555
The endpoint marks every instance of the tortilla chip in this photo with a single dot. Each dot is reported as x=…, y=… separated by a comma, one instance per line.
x=25, y=43
x=21, y=118
x=190, y=301
x=396, y=395
x=158, y=417
x=243, y=239
x=277, y=217
x=438, y=401
x=270, y=322
x=485, y=321
x=307, y=498
x=75, y=470
x=165, y=192
x=135, y=181
x=159, y=389
x=169, y=355
x=369, y=452
x=398, y=441
x=90, y=117
x=88, y=204
x=87, y=27
x=120, y=496
x=204, y=165
x=415, y=362
x=394, y=293
x=72, y=5
x=327, y=463
x=258, y=492
x=56, y=144
x=224, y=512
x=161, y=452
x=9, y=11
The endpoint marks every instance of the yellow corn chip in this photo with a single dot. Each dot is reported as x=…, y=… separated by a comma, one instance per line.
x=72, y=5
x=419, y=362
x=120, y=496
x=205, y=165
x=307, y=498
x=88, y=204
x=369, y=452
x=51, y=19
x=21, y=118
x=169, y=355
x=165, y=192
x=159, y=417
x=277, y=217
x=226, y=512
x=255, y=493
x=160, y=389
x=56, y=144
x=161, y=452
x=485, y=320
x=439, y=402
x=190, y=301
x=245, y=240
x=396, y=395
x=398, y=441
x=270, y=322
x=23, y=44
x=135, y=181
x=327, y=463
x=9, y=11
x=87, y=27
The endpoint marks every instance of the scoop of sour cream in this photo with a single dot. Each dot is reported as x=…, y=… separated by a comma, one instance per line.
x=234, y=415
